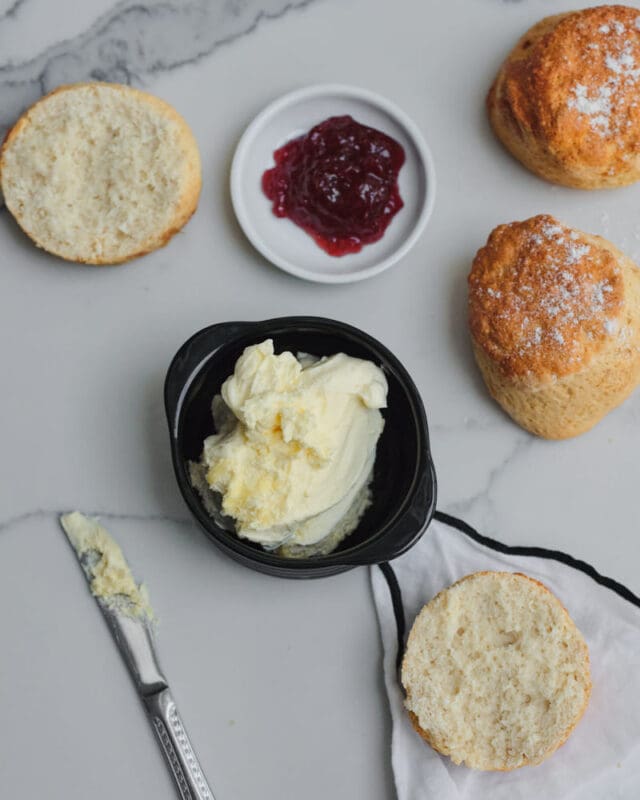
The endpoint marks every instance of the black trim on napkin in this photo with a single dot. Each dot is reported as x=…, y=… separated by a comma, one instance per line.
x=398, y=609
x=519, y=550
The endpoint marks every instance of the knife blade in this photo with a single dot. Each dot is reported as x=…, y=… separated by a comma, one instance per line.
x=128, y=613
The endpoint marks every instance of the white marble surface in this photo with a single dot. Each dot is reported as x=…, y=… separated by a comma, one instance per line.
x=279, y=682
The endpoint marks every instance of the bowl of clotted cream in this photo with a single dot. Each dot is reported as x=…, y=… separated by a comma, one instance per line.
x=300, y=445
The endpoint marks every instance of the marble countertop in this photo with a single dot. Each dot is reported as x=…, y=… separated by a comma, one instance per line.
x=279, y=683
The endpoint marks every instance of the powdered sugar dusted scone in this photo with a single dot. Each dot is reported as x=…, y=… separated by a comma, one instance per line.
x=554, y=316
x=100, y=173
x=496, y=673
x=565, y=101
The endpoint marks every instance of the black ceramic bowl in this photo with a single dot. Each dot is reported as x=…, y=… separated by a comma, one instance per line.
x=404, y=482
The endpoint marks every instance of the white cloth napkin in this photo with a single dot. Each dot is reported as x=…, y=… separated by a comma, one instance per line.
x=601, y=759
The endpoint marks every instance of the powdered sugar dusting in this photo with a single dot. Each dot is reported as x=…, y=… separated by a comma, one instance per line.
x=550, y=230
x=623, y=64
x=597, y=108
x=577, y=252
x=618, y=48
x=553, y=297
x=611, y=326
x=597, y=296
x=569, y=297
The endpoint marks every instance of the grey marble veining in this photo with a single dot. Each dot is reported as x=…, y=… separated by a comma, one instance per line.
x=10, y=9
x=41, y=514
x=132, y=40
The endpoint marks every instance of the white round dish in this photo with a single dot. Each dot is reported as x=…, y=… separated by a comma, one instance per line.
x=285, y=244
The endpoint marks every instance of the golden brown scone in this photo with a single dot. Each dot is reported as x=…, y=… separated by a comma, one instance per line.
x=565, y=100
x=100, y=173
x=554, y=316
x=495, y=672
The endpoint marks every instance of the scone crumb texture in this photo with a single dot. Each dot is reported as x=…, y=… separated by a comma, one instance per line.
x=495, y=672
x=99, y=173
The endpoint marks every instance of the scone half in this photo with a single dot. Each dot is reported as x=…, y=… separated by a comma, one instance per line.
x=554, y=316
x=100, y=173
x=495, y=672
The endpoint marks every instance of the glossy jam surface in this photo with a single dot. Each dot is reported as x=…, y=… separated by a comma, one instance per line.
x=339, y=182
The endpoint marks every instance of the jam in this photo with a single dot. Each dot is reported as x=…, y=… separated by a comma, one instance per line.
x=339, y=183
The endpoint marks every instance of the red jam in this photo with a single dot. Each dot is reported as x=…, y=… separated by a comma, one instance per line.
x=339, y=182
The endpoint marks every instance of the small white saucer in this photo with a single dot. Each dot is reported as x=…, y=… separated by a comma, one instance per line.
x=284, y=243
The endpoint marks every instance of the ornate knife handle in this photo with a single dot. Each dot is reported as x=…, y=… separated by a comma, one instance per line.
x=177, y=748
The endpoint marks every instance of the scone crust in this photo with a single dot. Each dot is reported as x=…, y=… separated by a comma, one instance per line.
x=564, y=100
x=190, y=179
x=554, y=316
x=544, y=298
x=441, y=743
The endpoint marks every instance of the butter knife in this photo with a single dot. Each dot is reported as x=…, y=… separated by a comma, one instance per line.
x=129, y=619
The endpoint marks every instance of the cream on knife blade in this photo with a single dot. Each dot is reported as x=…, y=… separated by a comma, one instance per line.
x=105, y=566
x=126, y=608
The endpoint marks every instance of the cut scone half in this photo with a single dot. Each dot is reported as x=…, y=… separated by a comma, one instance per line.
x=100, y=173
x=495, y=672
x=554, y=315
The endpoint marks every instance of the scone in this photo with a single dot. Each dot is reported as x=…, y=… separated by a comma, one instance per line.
x=495, y=672
x=100, y=173
x=565, y=100
x=554, y=316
